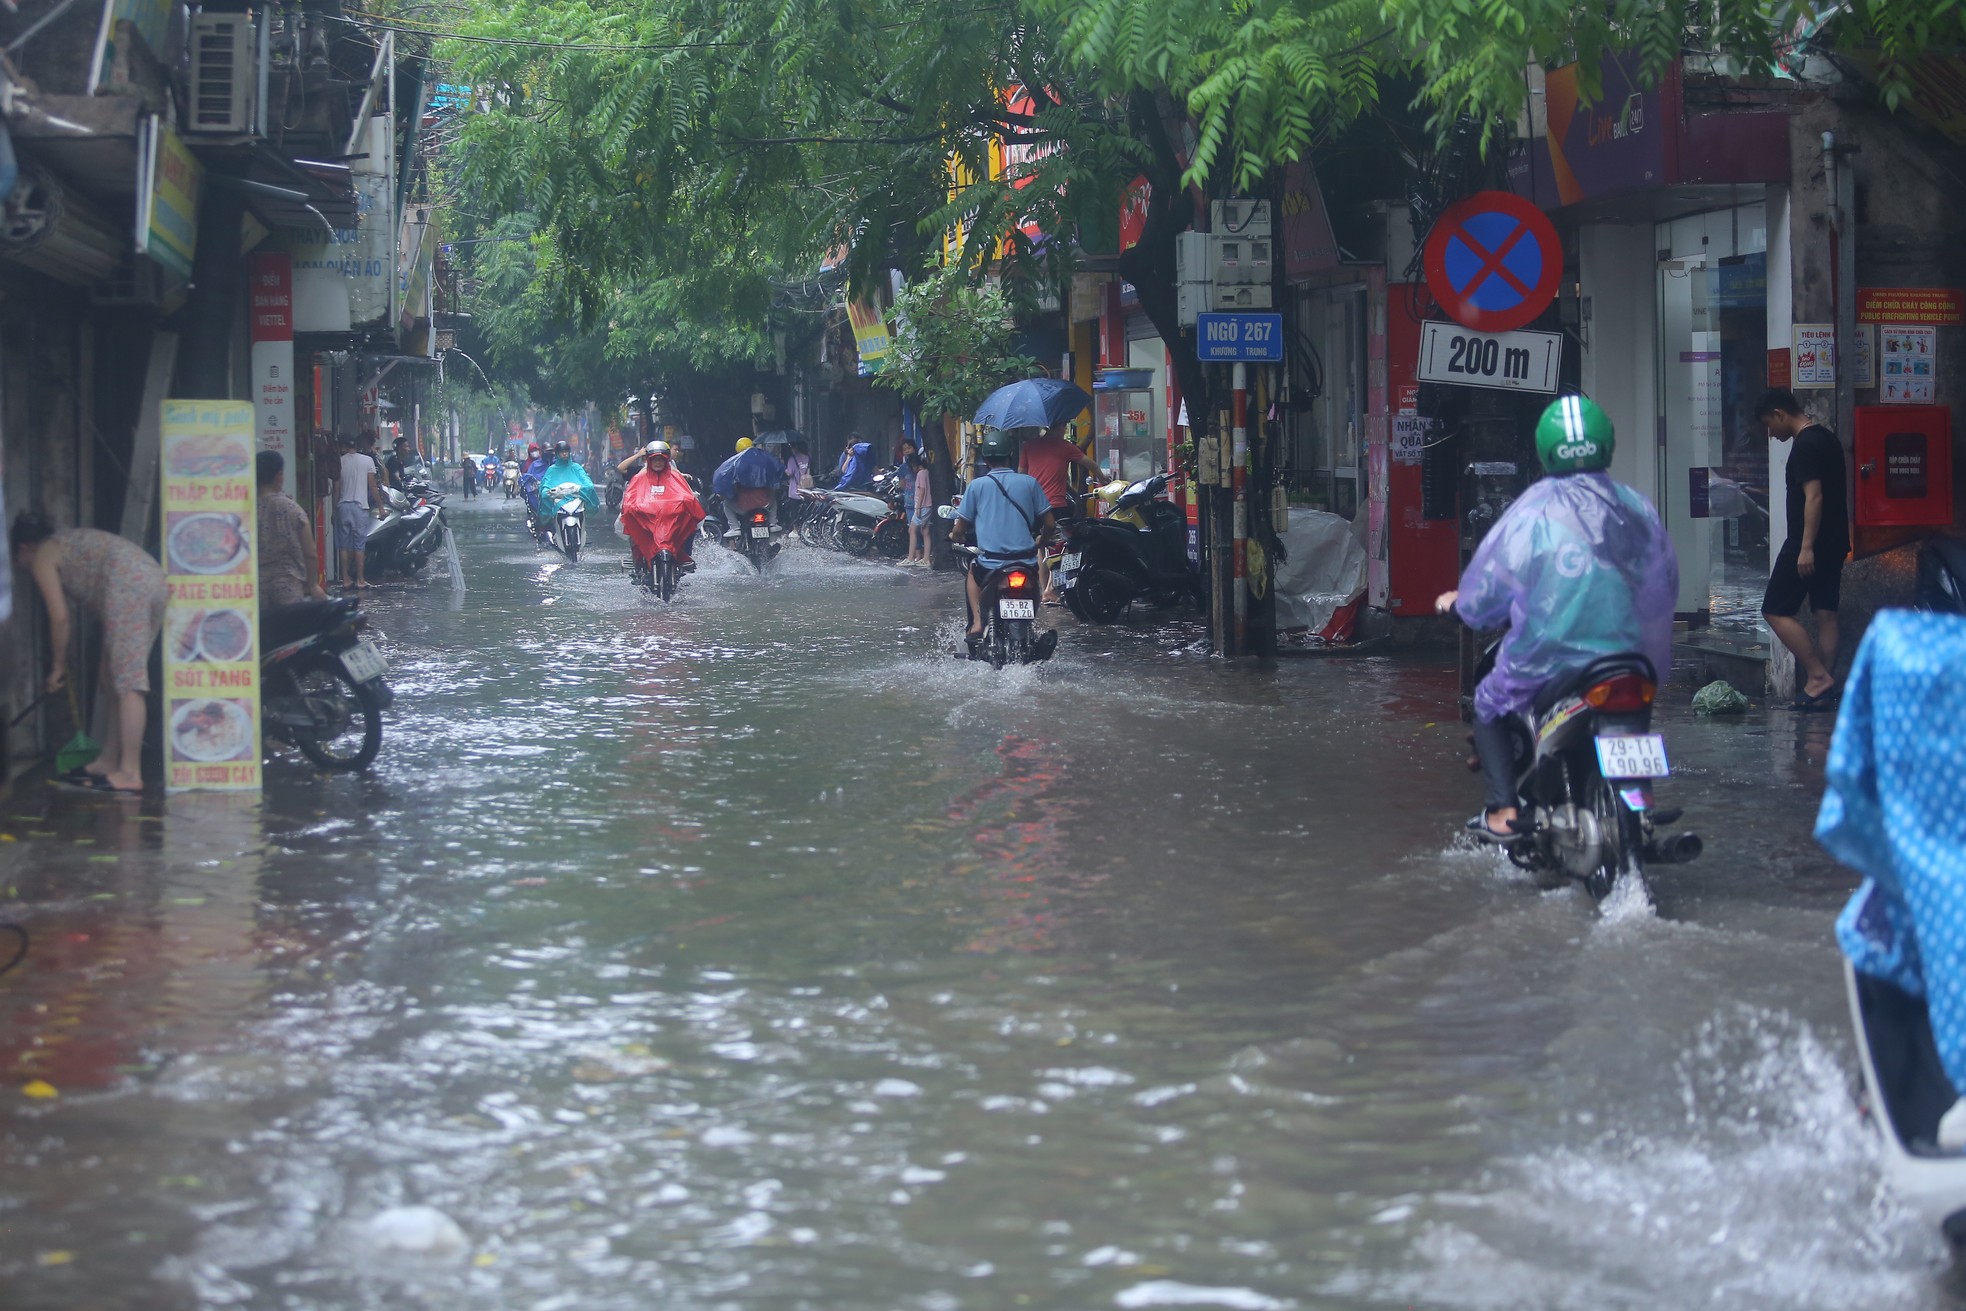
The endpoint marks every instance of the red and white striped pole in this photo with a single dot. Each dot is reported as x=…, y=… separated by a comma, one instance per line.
x=1239, y=451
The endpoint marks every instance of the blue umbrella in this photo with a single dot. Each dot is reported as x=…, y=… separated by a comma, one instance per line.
x=1032, y=403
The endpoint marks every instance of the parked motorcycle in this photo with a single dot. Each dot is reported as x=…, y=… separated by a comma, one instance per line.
x=410, y=531
x=322, y=688
x=566, y=530
x=1138, y=551
x=1587, y=759
x=855, y=517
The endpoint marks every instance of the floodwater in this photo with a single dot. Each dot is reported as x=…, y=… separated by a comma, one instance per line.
x=752, y=952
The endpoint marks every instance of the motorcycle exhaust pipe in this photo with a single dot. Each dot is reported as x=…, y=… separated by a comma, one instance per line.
x=1679, y=849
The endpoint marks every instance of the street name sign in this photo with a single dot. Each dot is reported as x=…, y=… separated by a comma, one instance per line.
x=1512, y=361
x=1493, y=261
x=1248, y=338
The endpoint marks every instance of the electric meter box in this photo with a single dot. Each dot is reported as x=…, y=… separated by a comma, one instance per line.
x=1904, y=465
x=1240, y=218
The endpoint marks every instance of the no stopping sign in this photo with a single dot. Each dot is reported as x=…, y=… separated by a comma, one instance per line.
x=1493, y=261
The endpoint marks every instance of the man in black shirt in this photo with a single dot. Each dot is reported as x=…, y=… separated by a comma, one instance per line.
x=398, y=462
x=1810, y=564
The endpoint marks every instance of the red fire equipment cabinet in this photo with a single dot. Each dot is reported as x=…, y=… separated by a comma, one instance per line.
x=1904, y=465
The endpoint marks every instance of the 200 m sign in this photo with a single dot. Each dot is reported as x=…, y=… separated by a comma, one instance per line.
x=1514, y=361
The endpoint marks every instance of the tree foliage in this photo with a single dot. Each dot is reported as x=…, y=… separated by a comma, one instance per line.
x=952, y=342
x=1267, y=81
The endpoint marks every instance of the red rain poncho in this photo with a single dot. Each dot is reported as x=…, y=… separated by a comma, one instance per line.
x=659, y=511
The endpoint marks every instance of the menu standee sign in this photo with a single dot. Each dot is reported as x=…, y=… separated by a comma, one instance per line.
x=211, y=621
x=273, y=356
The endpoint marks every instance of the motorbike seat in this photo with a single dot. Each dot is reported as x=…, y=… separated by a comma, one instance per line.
x=1629, y=662
x=281, y=624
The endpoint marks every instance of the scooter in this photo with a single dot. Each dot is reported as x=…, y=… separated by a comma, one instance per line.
x=1906, y=1089
x=1139, y=550
x=754, y=536
x=322, y=688
x=616, y=487
x=1587, y=759
x=409, y=532
x=511, y=480
x=567, y=531
x=856, y=516
x=1010, y=610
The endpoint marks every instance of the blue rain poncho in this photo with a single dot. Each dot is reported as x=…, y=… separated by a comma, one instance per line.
x=1895, y=811
x=1579, y=567
x=563, y=472
x=753, y=468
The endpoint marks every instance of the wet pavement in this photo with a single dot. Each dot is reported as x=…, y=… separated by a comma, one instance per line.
x=753, y=952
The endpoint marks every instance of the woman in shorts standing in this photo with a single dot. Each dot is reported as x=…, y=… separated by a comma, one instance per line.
x=103, y=575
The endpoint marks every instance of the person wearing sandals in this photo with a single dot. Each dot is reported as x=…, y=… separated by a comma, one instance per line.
x=914, y=476
x=114, y=580
x=1810, y=564
x=358, y=491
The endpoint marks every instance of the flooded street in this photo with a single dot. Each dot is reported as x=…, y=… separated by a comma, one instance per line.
x=752, y=952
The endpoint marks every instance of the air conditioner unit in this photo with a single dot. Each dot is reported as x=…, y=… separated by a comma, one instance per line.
x=225, y=85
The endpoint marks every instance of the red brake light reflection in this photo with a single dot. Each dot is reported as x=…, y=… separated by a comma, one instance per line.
x=1017, y=580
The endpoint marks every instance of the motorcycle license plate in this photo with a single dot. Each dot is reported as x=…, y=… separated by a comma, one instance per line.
x=1069, y=562
x=363, y=662
x=1012, y=608
x=1633, y=755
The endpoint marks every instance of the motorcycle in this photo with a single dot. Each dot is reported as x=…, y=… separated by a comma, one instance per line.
x=755, y=531
x=410, y=531
x=567, y=531
x=511, y=480
x=855, y=518
x=1139, y=550
x=1010, y=609
x=1587, y=759
x=661, y=576
x=322, y=688
x=616, y=486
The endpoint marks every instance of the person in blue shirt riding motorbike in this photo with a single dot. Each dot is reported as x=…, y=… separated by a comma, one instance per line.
x=1579, y=568
x=562, y=472
x=1008, y=515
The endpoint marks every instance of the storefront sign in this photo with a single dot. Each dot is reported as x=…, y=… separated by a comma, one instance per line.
x=1304, y=235
x=211, y=621
x=271, y=286
x=1610, y=145
x=1779, y=373
x=1513, y=361
x=1245, y=337
x=343, y=280
x=1493, y=262
x=1938, y=306
x=169, y=176
x=870, y=337
x=1815, y=355
x=1410, y=437
x=1910, y=356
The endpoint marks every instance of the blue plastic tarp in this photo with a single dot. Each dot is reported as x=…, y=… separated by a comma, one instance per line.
x=1579, y=567
x=753, y=468
x=1895, y=811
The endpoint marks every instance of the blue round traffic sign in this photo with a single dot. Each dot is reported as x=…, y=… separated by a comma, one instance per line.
x=1493, y=261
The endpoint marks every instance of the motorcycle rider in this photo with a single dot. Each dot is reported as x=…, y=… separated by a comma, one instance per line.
x=535, y=465
x=1580, y=568
x=659, y=506
x=749, y=480
x=564, y=470
x=1008, y=515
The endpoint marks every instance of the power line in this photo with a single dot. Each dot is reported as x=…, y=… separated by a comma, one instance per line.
x=366, y=21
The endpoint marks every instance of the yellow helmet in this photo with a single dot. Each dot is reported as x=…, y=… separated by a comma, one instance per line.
x=743, y=445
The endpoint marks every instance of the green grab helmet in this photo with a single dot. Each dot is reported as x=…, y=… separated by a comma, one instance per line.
x=1574, y=436
x=997, y=445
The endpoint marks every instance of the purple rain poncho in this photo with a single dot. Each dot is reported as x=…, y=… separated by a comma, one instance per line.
x=1579, y=567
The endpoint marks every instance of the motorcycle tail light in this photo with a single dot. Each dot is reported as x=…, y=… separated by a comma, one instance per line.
x=1622, y=695
x=1017, y=580
x=759, y=517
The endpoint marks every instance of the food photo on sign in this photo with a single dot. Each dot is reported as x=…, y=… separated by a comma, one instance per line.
x=206, y=542
x=211, y=730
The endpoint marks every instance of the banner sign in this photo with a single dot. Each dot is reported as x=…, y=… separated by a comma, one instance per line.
x=345, y=280
x=1912, y=306
x=271, y=284
x=169, y=176
x=870, y=337
x=1510, y=361
x=211, y=620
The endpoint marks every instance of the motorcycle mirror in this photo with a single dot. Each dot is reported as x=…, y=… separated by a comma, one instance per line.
x=945, y=511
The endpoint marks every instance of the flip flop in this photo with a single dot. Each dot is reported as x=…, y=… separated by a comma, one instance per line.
x=1477, y=828
x=96, y=783
x=1806, y=704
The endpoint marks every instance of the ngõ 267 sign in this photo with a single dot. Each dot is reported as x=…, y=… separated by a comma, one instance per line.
x=1513, y=361
x=1246, y=337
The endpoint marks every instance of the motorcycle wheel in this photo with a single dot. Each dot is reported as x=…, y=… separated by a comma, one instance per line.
x=665, y=577
x=999, y=645
x=573, y=547
x=347, y=718
x=812, y=530
x=891, y=538
x=1102, y=595
x=856, y=539
x=1620, y=848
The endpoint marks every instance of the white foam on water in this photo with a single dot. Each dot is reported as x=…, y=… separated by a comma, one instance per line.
x=1766, y=1196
